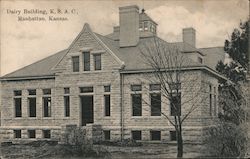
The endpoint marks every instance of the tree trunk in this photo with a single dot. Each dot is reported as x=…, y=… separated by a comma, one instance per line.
x=179, y=144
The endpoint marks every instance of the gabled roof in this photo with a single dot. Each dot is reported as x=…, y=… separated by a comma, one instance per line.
x=40, y=68
x=131, y=57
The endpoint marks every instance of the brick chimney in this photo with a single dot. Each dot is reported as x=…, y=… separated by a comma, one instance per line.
x=189, y=37
x=129, y=26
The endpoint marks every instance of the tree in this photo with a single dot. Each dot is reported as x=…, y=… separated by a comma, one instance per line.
x=181, y=88
x=229, y=137
x=237, y=49
x=237, y=46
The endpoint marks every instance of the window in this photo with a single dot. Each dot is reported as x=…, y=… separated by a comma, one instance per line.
x=136, y=88
x=199, y=59
x=46, y=91
x=46, y=134
x=18, y=107
x=136, y=135
x=66, y=90
x=86, y=61
x=136, y=105
x=32, y=107
x=155, y=104
x=172, y=135
x=215, y=105
x=146, y=25
x=107, y=104
x=175, y=104
x=106, y=134
x=141, y=26
x=32, y=92
x=75, y=63
x=67, y=106
x=32, y=133
x=106, y=88
x=86, y=89
x=154, y=87
x=47, y=106
x=17, y=93
x=98, y=61
x=210, y=100
x=155, y=135
x=17, y=133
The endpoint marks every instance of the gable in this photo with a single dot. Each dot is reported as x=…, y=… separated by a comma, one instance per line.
x=87, y=41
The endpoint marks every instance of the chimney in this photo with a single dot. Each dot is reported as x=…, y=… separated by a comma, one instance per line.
x=129, y=26
x=188, y=36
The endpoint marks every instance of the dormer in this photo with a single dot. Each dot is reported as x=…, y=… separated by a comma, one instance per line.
x=147, y=26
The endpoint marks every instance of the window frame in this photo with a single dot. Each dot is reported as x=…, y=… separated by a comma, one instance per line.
x=75, y=64
x=49, y=107
x=153, y=112
x=153, y=137
x=134, y=113
x=30, y=135
x=17, y=135
x=29, y=107
x=106, y=135
x=97, y=63
x=133, y=133
x=86, y=61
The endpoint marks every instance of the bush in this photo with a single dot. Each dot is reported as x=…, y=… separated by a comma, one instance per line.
x=227, y=140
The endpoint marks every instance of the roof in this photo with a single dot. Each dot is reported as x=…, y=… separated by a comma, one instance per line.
x=144, y=17
x=40, y=68
x=131, y=56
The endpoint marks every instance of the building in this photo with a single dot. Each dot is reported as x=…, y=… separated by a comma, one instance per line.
x=100, y=79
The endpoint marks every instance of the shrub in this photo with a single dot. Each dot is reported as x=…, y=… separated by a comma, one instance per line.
x=227, y=140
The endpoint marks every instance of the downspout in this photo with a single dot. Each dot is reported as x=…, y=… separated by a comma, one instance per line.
x=121, y=104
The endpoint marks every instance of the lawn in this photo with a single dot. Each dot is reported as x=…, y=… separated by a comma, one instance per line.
x=54, y=151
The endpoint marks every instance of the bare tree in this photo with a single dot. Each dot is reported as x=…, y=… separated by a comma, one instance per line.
x=180, y=88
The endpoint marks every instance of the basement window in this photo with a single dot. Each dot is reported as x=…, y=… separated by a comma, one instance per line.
x=17, y=133
x=173, y=135
x=106, y=134
x=46, y=134
x=136, y=135
x=155, y=135
x=32, y=133
x=32, y=107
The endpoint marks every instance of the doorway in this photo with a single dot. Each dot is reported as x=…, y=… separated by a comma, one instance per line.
x=87, y=111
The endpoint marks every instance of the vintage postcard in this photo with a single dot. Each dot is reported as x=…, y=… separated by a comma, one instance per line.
x=124, y=79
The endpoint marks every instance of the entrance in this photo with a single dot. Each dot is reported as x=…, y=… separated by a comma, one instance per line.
x=87, y=111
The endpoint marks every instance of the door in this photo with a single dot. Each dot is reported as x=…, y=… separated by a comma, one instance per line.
x=87, y=111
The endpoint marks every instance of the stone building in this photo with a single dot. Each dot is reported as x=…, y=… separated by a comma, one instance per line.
x=102, y=80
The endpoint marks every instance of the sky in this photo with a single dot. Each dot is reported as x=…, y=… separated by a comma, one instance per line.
x=24, y=42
